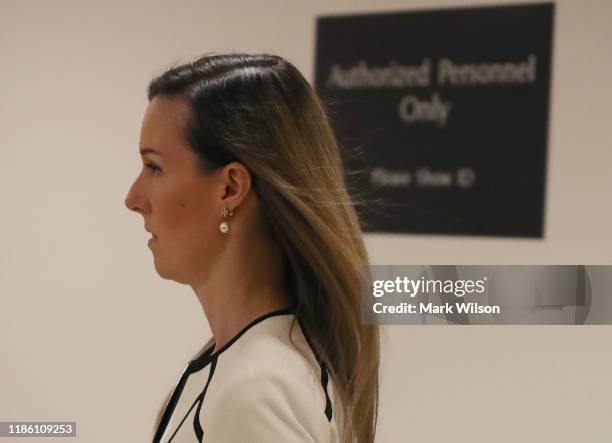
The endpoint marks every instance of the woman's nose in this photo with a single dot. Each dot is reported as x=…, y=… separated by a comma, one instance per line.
x=134, y=201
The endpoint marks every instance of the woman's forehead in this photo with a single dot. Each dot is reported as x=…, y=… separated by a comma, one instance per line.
x=163, y=123
x=166, y=112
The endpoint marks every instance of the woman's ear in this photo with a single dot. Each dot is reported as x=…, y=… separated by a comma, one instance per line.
x=237, y=183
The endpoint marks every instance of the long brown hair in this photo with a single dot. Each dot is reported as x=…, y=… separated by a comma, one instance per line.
x=260, y=111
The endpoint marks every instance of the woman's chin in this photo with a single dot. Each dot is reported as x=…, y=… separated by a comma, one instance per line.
x=161, y=270
x=167, y=273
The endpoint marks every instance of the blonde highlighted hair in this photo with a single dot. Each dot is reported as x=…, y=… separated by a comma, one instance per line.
x=260, y=111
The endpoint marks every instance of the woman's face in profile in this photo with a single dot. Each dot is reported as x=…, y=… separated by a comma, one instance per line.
x=174, y=198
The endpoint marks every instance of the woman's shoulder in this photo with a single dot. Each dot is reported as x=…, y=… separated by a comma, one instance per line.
x=269, y=384
x=268, y=352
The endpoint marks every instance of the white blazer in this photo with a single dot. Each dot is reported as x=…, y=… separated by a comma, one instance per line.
x=257, y=388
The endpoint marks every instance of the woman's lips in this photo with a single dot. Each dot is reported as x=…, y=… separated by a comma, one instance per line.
x=153, y=237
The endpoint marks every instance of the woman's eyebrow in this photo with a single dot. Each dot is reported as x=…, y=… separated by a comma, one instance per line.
x=144, y=151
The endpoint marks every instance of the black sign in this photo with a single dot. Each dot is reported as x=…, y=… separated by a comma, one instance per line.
x=442, y=116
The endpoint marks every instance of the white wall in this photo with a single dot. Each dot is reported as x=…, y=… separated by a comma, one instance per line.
x=90, y=333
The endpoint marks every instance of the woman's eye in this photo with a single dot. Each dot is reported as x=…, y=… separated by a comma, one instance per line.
x=153, y=167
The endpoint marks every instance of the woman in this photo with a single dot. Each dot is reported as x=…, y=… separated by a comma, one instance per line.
x=243, y=193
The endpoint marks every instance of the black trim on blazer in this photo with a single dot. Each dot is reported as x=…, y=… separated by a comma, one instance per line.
x=183, y=420
x=163, y=423
x=328, y=405
x=196, y=419
x=199, y=363
x=324, y=375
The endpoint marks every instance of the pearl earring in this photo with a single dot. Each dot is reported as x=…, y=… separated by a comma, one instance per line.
x=224, y=226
